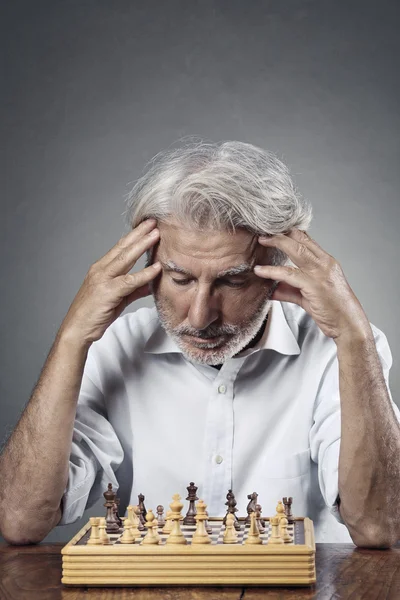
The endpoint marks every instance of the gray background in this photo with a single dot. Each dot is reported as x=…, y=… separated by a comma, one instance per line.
x=93, y=89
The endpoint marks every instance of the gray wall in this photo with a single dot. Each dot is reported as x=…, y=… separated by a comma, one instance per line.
x=94, y=89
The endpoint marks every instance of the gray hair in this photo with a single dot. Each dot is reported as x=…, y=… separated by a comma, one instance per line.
x=219, y=186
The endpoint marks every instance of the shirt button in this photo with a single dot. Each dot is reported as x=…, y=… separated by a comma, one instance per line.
x=218, y=459
x=222, y=389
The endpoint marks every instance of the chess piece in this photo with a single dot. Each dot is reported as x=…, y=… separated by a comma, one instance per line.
x=208, y=526
x=285, y=535
x=143, y=511
x=116, y=515
x=201, y=536
x=102, y=531
x=133, y=518
x=231, y=504
x=176, y=536
x=251, y=507
x=160, y=516
x=168, y=523
x=258, y=519
x=94, y=539
x=191, y=513
x=280, y=509
x=253, y=536
x=127, y=537
x=230, y=535
x=275, y=531
x=288, y=509
x=151, y=537
x=112, y=525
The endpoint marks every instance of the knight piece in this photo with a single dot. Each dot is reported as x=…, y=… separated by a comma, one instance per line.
x=231, y=504
x=251, y=507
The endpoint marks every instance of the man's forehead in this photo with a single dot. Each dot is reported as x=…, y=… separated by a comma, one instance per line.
x=204, y=243
x=223, y=252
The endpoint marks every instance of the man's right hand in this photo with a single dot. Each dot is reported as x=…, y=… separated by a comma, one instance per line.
x=109, y=288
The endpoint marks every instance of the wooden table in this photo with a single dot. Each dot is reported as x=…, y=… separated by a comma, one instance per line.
x=343, y=572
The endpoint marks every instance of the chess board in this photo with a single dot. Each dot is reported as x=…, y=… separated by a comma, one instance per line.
x=118, y=564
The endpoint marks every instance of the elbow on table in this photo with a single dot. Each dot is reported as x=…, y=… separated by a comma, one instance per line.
x=374, y=536
x=20, y=532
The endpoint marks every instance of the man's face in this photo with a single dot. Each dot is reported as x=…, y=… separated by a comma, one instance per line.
x=210, y=311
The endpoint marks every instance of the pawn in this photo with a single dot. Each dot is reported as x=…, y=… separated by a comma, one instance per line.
x=94, y=539
x=168, y=523
x=127, y=537
x=285, y=535
x=253, y=536
x=160, y=516
x=104, y=538
x=230, y=535
x=151, y=536
x=201, y=536
x=275, y=533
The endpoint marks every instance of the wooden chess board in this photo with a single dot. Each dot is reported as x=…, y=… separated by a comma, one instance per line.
x=118, y=564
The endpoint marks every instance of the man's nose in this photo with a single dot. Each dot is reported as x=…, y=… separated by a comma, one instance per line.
x=204, y=309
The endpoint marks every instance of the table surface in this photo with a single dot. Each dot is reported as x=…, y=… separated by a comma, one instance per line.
x=343, y=572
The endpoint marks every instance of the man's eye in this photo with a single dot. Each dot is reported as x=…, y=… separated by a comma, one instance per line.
x=181, y=281
x=234, y=283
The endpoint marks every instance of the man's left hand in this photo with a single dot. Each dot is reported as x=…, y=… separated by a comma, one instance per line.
x=317, y=284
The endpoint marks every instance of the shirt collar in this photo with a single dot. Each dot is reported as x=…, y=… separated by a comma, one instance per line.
x=277, y=336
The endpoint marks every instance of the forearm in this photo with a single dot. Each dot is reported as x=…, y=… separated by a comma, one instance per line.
x=369, y=468
x=34, y=463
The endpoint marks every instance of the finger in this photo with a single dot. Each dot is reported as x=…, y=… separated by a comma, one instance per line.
x=290, y=275
x=305, y=238
x=127, y=240
x=298, y=252
x=130, y=282
x=141, y=292
x=128, y=256
x=287, y=293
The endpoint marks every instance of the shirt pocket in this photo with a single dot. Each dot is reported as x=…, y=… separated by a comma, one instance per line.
x=286, y=475
x=288, y=466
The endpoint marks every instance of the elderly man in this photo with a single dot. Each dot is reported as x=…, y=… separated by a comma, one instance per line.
x=257, y=369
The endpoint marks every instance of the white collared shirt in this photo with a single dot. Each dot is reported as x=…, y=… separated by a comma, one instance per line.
x=150, y=421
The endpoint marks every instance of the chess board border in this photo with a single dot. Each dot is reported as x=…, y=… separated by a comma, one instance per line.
x=208, y=564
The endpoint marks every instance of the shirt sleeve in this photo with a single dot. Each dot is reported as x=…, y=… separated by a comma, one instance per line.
x=325, y=432
x=96, y=453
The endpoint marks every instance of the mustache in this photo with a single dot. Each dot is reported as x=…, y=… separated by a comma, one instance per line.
x=208, y=333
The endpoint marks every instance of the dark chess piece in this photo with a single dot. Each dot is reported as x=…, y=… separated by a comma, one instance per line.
x=116, y=515
x=192, y=512
x=251, y=507
x=115, y=509
x=231, y=504
x=258, y=519
x=160, y=516
x=143, y=511
x=112, y=525
x=288, y=509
